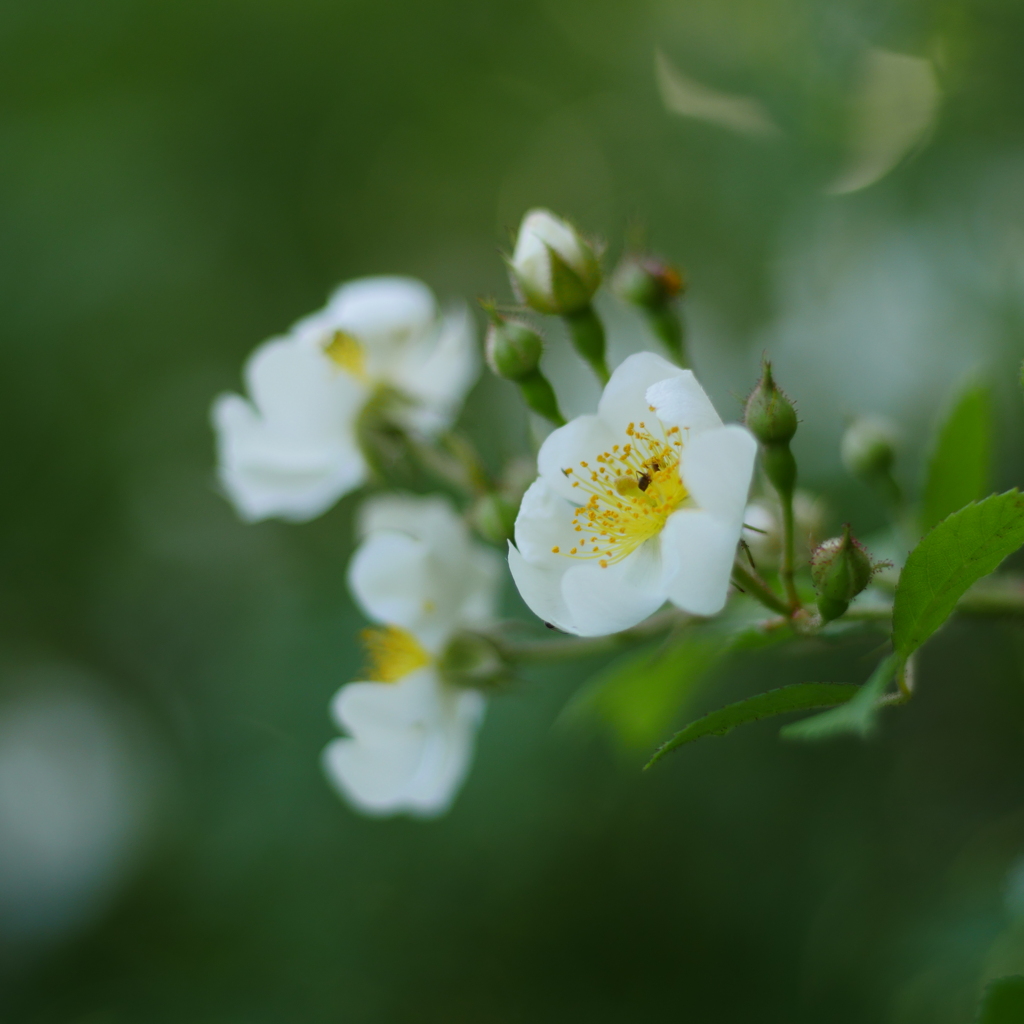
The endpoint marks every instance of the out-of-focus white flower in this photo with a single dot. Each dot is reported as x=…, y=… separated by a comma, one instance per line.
x=553, y=267
x=410, y=734
x=291, y=448
x=637, y=505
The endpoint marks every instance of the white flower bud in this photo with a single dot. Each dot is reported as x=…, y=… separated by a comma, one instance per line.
x=869, y=446
x=553, y=268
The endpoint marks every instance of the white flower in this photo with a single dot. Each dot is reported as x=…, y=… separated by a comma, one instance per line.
x=290, y=450
x=410, y=734
x=637, y=505
x=553, y=268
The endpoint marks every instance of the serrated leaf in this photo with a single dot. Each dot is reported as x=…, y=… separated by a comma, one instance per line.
x=961, y=458
x=1003, y=1002
x=798, y=697
x=962, y=549
x=856, y=717
x=638, y=694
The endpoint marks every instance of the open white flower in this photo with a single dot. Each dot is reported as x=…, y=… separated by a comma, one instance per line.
x=553, y=268
x=637, y=505
x=410, y=734
x=290, y=449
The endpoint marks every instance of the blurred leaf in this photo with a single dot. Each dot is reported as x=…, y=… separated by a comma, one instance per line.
x=892, y=109
x=638, y=694
x=964, y=547
x=960, y=463
x=689, y=98
x=798, y=697
x=1003, y=1002
x=856, y=717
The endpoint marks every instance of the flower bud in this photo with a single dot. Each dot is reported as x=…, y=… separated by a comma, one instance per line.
x=647, y=282
x=869, y=447
x=513, y=349
x=770, y=415
x=553, y=269
x=841, y=569
x=471, y=660
x=494, y=517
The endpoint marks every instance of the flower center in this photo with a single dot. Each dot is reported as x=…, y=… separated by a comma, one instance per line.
x=393, y=653
x=346, y=352
x=633, y=489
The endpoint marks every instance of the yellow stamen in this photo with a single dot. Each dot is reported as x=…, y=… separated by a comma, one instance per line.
x=393, y=653
x=630, y=504
x=347, y=353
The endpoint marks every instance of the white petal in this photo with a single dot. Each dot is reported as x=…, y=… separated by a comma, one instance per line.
x=680, y=401
x=624, y=399
x=716, y=467
x=410, y=746
x=540, y=586
x=268, y=471
x=580, y=440
x=437, y=372
x=539, y=229
x=418, y=568
x=430, y=518
x=603, y=601
x=545, y=521
x=698, y=551
x=382, y=310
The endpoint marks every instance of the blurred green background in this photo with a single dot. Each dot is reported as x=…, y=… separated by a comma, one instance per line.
x=179, y=181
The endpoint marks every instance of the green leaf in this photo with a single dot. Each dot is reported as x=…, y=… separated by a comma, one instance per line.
x=638, y=695
x=856, y=717
x=1003, y=1002
x=964, y=547
x=961, y=458
x=798, y=697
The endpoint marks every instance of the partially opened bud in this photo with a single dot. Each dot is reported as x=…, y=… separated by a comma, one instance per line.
x=869, y=447
x=513, y=349
x=841, y=569
x=553, y=268
x=647, y=282
x=770, y=415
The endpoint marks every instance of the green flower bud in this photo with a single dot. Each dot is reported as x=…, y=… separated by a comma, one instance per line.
x=553, y=268
x=770, y=415
x=647, y=282
x=841, y=569
x=513, y=349
x=869, y=447
x=494, y=518
x=473, y=661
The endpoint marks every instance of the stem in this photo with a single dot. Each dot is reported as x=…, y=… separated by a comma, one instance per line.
x=667, y=325
x=756, y=587
x=564, y=647
x=587, y=333
x=789, y=550
x=539, y=395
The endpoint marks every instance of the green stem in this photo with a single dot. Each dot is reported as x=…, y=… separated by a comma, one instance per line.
x=667, y=325
x=540, y=397
x=788, y=570
x=563, y=647
x=587, y=333
x=756, y=587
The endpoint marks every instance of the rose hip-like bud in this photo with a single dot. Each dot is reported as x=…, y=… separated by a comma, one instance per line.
x=841, y=569
x=513, y=349
x=770, y=415
x=647, y=281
